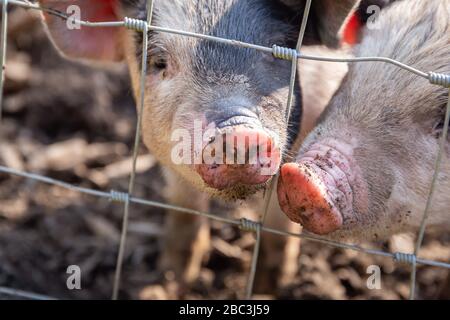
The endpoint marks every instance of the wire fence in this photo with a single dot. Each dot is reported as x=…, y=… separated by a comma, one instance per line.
x=257, y=227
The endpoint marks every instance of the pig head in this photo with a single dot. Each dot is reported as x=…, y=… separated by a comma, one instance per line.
x=207, y=100
x=365, y=171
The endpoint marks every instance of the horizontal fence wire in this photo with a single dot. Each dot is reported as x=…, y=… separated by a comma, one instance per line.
x=115, y=196
x=275, y=50
x=137, y=139
x=270, y=188
x=279, y=52
x=23, y=294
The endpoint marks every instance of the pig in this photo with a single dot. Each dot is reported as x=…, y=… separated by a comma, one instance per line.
x=365, y=171
x=233, y=91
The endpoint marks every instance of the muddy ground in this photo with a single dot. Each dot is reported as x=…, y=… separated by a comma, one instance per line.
x=76, y=124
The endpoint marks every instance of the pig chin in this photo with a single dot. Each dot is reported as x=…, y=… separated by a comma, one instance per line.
x=233, y=181
x=324, y=190
x=238, y=191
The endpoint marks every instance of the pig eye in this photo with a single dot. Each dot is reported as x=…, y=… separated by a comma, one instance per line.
x=159, y=64
x=158, y=60
x=439, y=127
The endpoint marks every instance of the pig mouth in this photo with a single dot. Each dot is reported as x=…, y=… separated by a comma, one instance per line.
x=317, y=190
x=213, y=175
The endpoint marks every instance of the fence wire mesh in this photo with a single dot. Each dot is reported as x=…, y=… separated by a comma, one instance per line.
x=257, y=227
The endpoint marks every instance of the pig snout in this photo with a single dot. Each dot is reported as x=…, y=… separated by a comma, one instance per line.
x=239, y=155
x=318, y=190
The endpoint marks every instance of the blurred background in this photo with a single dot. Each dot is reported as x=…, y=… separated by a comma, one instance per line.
x=74, y=123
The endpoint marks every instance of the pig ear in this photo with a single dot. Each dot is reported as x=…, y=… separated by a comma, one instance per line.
x=328, y=17
x=366, y=12
x=99, y=44
x=325, y=20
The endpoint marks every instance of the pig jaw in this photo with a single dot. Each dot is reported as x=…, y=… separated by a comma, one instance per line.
x=324, y=190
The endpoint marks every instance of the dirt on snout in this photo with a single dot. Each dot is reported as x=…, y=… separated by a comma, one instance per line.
x=76, y=124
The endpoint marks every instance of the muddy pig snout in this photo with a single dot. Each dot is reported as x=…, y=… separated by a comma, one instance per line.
x=323, y=188
x=239, y=155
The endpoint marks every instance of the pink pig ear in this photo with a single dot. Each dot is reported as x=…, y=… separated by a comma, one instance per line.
x=352, y=29
x=99, y=44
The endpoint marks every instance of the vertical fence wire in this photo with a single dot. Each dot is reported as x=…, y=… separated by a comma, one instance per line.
x=23, y=294
x=271, y=187
x=254, y=264
x=437, y=169
x=123, y=237
x=3, y=41
x=294, y=63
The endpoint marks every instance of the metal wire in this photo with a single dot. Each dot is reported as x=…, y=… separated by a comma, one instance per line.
x=275, y=50
x=269, y=191
x=284, y=54
x=368, y=59
x=245, y=224
x=254, y=265
x=439, y=79
x=123, y=238
x=24, y=294
x=437, y=169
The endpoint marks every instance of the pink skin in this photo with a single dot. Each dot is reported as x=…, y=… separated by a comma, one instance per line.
x=266, y=156
x=319, y=190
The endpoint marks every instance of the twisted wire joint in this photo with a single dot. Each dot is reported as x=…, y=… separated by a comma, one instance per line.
x=249, y=225
x=116, y=196
x=135, y=24
x=439, y=79
x=284, y=53
x=405, y=258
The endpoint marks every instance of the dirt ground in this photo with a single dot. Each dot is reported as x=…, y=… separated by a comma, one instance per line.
x=76, y=124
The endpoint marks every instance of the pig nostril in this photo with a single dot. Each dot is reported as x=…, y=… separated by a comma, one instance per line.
x=244, y=146
x=249, y=158
x=236, y=117
x=214, y=166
